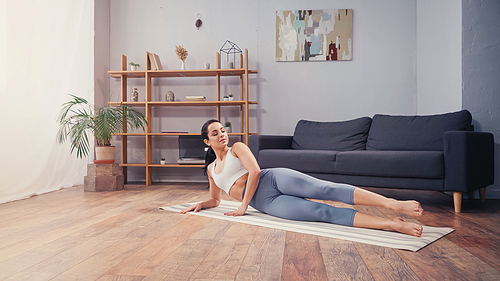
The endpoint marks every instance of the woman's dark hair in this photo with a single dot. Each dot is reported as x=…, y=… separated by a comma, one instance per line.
x=210, y=155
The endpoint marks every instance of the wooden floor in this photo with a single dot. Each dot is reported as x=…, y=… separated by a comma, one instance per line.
x=75, y=235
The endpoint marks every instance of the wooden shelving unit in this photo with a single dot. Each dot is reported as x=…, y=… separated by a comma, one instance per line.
x=243, y=103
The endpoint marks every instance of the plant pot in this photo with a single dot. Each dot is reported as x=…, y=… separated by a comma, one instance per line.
x=133, y=68
x=104, y=155
x=228, y=129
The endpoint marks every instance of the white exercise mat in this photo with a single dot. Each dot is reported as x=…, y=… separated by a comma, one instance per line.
x=362, y=235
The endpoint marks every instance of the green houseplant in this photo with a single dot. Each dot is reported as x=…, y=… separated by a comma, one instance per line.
x=78, y=119
x=227, y=127
x=134, y=66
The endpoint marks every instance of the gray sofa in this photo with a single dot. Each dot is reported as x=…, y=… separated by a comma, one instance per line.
x=434, y=152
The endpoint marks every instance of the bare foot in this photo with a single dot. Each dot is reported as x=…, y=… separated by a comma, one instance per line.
x=399, y=225
x=410, y=207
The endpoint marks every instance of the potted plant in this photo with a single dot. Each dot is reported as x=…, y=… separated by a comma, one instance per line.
x=78, y=119
x=227, y=127
x=225, y=98
x=162, y=161
x=230, y=97
x=134, y=66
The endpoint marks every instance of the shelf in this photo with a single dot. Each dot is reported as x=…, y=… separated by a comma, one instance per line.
x=169, y=165
x=193, y=134
x=130, y=134
x=150, y=106
x=128, y=103
x=181, y=73
x=183, y=103
x=129, y=74
x=175, y=134
x=175, y=165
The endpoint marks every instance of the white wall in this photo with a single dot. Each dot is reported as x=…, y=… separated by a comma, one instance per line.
x=3, y=47
x=439, y=56
x=49, y=53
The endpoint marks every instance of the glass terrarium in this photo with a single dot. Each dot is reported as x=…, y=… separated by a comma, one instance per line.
x=230, y=55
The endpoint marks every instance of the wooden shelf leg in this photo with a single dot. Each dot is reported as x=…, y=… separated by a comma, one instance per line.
x=457, y=201
x=482, y=194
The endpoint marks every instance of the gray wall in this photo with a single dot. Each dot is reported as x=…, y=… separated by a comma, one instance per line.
x=101, y=52
x=481, y=71
x=439, y=56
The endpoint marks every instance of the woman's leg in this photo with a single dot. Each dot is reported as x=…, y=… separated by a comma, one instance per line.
x=294, y=183
x=300, y=209
x=270, y=200
x=296, y=208
x=368, y=198
x=281, y=193
x=396, y=224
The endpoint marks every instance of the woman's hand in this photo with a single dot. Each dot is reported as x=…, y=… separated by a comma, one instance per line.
x=194, y=208
x=238, y=212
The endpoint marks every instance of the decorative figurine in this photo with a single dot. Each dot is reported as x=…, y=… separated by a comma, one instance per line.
x=135, y=95
x=169, y=96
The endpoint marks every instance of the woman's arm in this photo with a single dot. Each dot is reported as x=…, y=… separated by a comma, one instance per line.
x=248, y=160
x=214, y=200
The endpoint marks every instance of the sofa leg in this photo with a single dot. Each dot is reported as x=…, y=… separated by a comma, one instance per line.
x=482, y=194
x=457, y=201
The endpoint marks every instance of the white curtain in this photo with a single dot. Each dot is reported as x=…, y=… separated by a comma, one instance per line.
x=46, y=53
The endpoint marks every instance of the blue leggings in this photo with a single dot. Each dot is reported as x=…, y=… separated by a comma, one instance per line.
x=281, y=193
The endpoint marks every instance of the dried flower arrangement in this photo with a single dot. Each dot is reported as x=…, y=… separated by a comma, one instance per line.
x=181, y=52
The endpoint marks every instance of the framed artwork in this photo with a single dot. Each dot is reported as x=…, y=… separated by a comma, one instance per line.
x=314, y=35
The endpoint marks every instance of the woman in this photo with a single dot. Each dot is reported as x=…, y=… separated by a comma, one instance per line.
x=280, y=192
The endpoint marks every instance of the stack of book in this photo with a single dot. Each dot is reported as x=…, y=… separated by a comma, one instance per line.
x=195, y=98
x=155, y=62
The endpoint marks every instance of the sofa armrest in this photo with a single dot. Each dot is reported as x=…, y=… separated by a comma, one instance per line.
x=468, y=160
x=260, y=142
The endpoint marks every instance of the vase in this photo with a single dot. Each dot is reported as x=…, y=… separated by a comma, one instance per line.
x=104, y=155
x=183, y=65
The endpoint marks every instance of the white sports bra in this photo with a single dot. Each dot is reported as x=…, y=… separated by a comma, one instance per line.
x=233, y=170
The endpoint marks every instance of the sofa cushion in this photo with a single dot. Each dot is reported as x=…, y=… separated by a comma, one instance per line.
x=415, y=132
x=342, y=136
x=405, y=164
x=307, y=161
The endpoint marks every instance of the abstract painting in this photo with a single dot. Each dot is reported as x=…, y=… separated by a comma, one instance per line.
x=314, y=35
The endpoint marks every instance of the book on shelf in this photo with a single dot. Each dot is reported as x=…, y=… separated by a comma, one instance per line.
x=195, y=98
x=157, y=61
x=154, y=59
